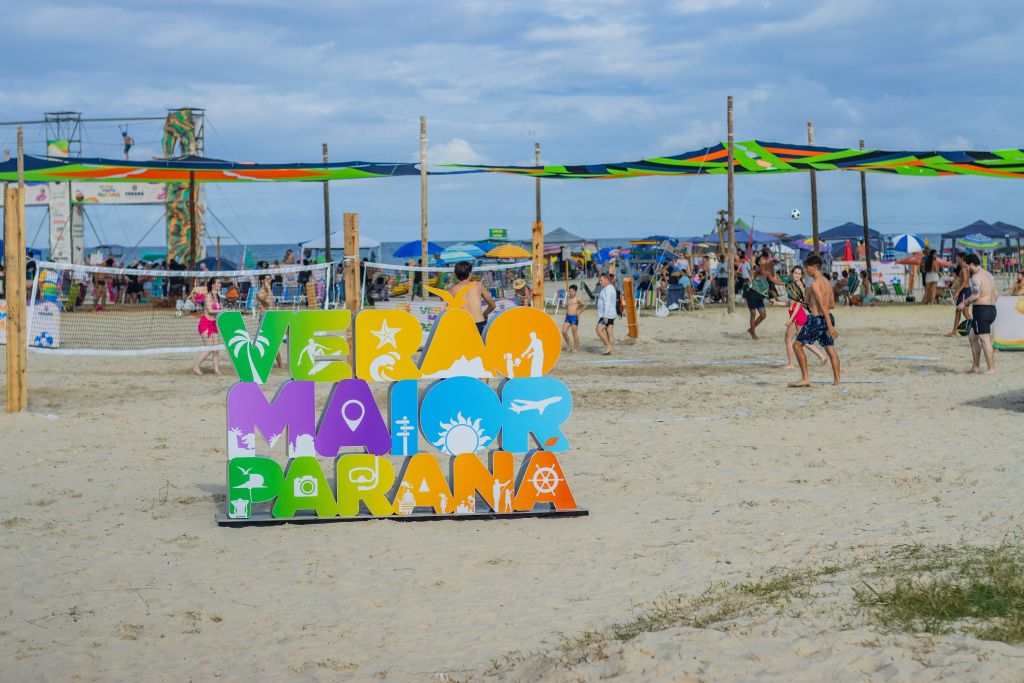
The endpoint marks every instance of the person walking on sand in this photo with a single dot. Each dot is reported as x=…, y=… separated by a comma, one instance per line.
x=930, y=267
x=475, y=297
x=961, y=291
x=798, y=317
x=573, y=308
x=208, y=326
x=606, y=313
x=983, y=298
x=820, y=325
x=764, y=278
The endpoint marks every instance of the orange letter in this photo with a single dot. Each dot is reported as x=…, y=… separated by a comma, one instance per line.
x=541, y=481
x=470, y=475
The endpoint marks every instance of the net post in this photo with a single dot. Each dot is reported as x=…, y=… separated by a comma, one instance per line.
x=353, y=297
x=14, y=258
x=537, y=266
x=627, y=292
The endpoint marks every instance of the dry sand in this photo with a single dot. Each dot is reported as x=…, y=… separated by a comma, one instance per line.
x=697, y=463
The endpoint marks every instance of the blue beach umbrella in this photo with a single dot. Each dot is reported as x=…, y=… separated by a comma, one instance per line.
x=908, y=243
x=412, y=250
x=451, y=254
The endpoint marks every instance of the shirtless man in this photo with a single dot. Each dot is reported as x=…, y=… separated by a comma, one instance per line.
x=820, y=326
x=961, y=290
x=983, y=298
x=475, y=297
x=573, y=308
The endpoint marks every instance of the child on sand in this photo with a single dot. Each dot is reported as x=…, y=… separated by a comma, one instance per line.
x=573, y=308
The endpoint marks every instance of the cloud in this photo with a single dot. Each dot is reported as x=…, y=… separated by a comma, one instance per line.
x=455, y=151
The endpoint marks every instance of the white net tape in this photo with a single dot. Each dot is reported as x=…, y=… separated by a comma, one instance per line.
x=89, y=310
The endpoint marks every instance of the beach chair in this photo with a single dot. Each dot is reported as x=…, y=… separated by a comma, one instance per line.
x=590, y=292
x=250, y=301
x=897, y=288
x=556, y=300
x=700, y=297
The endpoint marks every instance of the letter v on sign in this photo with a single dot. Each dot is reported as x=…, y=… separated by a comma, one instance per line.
x=253, y=355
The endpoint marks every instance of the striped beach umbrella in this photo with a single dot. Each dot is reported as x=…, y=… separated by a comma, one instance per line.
x=508, y=251
x=978, y=241
x=908, y=243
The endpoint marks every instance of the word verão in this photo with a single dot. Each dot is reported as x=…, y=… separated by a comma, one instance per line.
x=458, y=414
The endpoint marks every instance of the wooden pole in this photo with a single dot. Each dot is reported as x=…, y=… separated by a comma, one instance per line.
x=864, y=212
x=193, y=249
x=630, y=297
x=14, y=257
x=353, y=291
x=536, y=161
x=567, y=279
x=327, y=213
x=814, y=193
x=731, y=294
x=537, y=269
x=424, y=258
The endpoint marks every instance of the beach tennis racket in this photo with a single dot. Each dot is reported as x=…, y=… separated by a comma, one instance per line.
x=794, y=292
x=964, y=328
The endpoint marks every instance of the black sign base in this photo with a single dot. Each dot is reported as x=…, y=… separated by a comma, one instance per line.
x=267, y=520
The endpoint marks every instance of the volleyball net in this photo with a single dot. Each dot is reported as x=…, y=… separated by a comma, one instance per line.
x=90, y=310
x=390, y=286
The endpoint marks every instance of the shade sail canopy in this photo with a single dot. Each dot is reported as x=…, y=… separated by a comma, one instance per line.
x=757, y=157
x=338, y=242
x=508, y=251
x=848, y=231
x=45, y=170
x=562, y=236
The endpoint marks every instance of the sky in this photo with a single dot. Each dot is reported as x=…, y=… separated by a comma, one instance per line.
x=595, y=81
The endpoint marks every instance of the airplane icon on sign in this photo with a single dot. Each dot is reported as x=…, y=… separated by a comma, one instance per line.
x=520, y=405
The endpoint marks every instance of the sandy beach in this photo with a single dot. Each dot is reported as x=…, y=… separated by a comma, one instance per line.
x=699, y=466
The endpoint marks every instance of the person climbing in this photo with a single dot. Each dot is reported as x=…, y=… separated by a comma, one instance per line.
x=128, y=141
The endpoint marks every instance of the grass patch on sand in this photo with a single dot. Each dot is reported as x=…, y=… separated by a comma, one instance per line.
x=968, y=589
x=946, y=589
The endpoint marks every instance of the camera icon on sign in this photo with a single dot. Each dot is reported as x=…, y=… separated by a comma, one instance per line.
x=306, y=487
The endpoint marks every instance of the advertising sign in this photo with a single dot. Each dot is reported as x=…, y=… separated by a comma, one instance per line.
x=1008, y=329
x=497, y=233
x=458, y=415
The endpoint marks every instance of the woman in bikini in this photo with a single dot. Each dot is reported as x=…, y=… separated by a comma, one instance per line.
x=264, y=302
x=798, y=317
x=208, y=326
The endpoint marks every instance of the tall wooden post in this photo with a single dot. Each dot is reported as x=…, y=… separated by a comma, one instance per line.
x=864, y=213
x=14, y=258
x=537, y=268
x=193, y=248
x=353, y=290
x=814, y=193
x=424, y=257
x=327, y=213
x=630, y=297
x=731, y=294
x=536, y=161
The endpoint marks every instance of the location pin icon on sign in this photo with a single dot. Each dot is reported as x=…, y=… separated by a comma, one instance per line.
x=352, y=412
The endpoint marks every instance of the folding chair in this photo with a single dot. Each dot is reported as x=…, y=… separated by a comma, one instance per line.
x=556, y=300
x=704, y=293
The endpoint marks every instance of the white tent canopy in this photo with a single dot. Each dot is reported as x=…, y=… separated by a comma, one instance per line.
x=338, y=242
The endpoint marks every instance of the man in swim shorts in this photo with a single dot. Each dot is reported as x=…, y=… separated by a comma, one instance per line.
x=820, y=326
x=983, y=298
x=573, y=308
x=606, y=313
x=757, y=292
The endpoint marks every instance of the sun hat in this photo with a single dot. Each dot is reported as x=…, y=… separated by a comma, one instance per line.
x=519, y=283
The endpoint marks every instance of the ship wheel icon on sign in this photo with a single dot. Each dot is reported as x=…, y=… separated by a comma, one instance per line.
x=545, y=479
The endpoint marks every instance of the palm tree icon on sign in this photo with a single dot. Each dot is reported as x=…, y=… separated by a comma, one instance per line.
x=241, y=341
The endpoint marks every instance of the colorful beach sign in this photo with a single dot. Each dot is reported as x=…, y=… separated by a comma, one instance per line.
x=470, y=401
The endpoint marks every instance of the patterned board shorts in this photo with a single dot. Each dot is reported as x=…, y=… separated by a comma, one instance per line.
x=815, y=331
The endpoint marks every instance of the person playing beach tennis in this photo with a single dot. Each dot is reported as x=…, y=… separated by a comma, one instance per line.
x=606, y=313
x=474, y=298
x=573, y=308
x=760, y=286
x=820, y=326
x=961, y=291
x=797, y=316
x=984, y=294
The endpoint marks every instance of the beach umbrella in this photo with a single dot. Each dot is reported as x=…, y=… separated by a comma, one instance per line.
x=915, y=260
x=978, y=241
x=452, y=254
x=847, y=251
x=908, y=243
x=211, y=264
x=508, y=251
x=413, y=250
x=808, y=245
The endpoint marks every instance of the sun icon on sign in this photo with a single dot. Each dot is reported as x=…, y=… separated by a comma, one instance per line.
x=461, y=435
